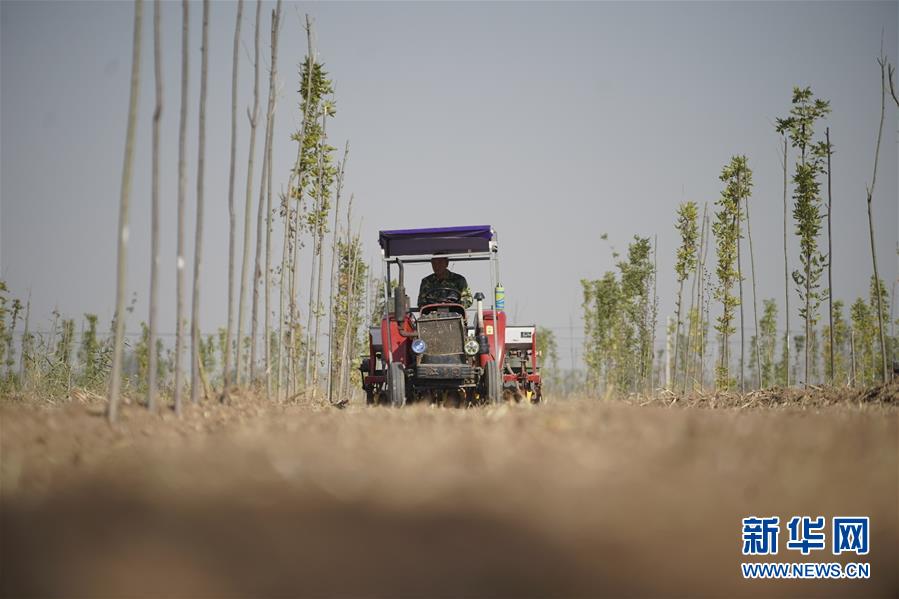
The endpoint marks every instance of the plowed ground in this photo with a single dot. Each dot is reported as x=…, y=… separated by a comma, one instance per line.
x=571, y=498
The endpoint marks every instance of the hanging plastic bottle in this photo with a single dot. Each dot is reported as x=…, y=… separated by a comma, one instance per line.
x=500, y=297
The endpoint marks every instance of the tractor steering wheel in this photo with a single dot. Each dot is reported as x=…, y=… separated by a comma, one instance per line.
x=444, y=295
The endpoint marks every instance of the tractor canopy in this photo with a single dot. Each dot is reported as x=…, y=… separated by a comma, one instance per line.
x=443, y=240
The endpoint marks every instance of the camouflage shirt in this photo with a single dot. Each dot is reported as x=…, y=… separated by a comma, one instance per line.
x=429, y=292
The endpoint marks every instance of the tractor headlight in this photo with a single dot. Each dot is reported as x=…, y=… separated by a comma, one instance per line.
x=471, y=347
x=419, y=346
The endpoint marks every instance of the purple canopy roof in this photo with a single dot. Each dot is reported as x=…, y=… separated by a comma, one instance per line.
x=451, y=240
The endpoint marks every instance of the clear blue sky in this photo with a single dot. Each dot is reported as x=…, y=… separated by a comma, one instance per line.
x=553, y=122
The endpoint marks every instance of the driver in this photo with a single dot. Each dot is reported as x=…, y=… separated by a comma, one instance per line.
x=433, y=286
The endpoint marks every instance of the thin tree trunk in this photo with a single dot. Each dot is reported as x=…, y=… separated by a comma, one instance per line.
x=350, y=266
x=276, y=23
x=786, y=271
x=349, y=338
x=695, y=321
x=333, y=286
x=740, y=282
x=257, y=269
x=852, y=354
x=654, y=310
x=268, y=250
x=308, y=357
x=154, y=226
x=315, y=306
x=245, y=264
x=704, y=310
x=808, y=319
x=694, y=290
x=755, y=304
x=198, y=240
x=321, y=239
x=282, y=287
x=232, y=218
x=122, y=253
x=182, y=193
x=346, y=349
x=260, y=215
x=680, y=295
x=307, y=347
x=870, y=190
x=892, y=315
x=830, y=254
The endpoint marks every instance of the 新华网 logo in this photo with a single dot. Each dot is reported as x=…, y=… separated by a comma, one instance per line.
x=807, y=535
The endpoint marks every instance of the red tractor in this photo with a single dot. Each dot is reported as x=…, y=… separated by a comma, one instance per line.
x=439, y=352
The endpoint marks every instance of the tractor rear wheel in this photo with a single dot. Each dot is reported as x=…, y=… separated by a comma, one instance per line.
x=493, y=387
x=396, y=385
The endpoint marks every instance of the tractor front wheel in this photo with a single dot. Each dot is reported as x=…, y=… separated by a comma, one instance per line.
x=396, y=385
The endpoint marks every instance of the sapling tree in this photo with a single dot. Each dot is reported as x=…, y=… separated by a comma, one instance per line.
x=310, y=97
x=195, y=338
x=636, y=278
x=348, y=309
x=740, y=302
x=800, y=128
x=283, y=286
x=154, y=226
x=786, y=343
x=830, y=307
x=232, y=217
x=686, y=262
x=608, y=340
x=276, y=23
x=332, y=321
x=705, y=302
x=122, y=253
x=738, y=182
x=253, y=117
x=267, y=270
x=262, y=215
x=182, y=195
x=3, y=310
x=696, y=293
x=755, y=305
x=807, y=214
x=326, y=175
x=322, y=174
x=654, y=312
x=870, y=195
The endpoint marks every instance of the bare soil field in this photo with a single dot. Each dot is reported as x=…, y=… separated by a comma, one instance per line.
x=573, y=498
